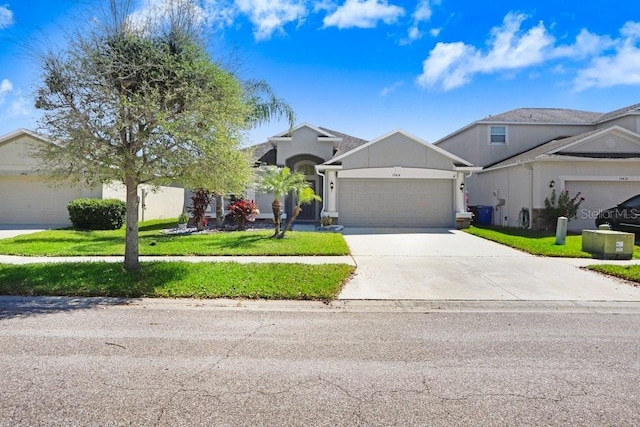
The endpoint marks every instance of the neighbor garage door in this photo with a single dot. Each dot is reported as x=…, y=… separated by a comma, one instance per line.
x=598, y=196
x=28, y=200
x=396, y=202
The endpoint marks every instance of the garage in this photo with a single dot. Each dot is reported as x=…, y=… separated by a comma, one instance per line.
x=396, y=202
x=28, y=200
x=598, y=196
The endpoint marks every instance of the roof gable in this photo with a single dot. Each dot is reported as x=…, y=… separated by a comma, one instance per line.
x=454, y=159
x=22, y=132
x=287, y=134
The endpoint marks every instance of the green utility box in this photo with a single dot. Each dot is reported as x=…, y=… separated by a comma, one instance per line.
x=607, y=244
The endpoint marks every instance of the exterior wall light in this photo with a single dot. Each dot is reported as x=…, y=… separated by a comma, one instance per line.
x=462, y=186
x=331, y=185
x=552, y=184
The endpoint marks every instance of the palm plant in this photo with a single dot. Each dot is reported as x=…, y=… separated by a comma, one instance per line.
x=306, y=195
x=280, y=182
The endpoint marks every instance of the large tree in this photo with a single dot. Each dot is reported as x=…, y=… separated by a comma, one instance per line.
x=145, y=104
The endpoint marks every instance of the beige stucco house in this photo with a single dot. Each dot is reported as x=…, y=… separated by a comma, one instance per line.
x=27, y=197
x=528, y=152
x=396, y=180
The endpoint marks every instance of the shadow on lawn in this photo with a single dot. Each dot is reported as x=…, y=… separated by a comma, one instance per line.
x=238, y=239
x=50, y=288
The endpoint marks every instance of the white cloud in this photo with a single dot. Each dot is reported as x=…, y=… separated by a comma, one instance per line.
x=447, y=65
x=586, y=45
x=414, y=33
x=363, y=14
x=20, y=107
x=390, y=89
x=5, y=87
x=421, y=14
x=154, y=13
x=622, y=67
x=451, y=65
x=6, y=17
x=423, y=11
x=269, y=16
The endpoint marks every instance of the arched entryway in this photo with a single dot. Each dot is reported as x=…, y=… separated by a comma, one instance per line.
x=305, y=164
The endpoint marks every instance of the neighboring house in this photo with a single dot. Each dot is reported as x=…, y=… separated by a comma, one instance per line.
x=27, y=197
x=397, y=180
x=527, y=152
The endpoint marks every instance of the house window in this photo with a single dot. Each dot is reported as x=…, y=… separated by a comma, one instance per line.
x=306, y=169
x=498, y=134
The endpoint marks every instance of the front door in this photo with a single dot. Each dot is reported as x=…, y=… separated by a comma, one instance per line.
x=309, y=211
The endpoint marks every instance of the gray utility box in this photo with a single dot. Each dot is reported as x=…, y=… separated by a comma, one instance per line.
x=607, y=244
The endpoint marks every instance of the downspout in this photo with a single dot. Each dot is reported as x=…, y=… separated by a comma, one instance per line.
x=530, y=207
x=324, y=191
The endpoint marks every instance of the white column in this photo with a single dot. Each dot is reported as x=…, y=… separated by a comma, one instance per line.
x=460, y=202
x=331, y=193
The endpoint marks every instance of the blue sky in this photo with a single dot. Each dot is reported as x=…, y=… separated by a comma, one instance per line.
x=367, y=67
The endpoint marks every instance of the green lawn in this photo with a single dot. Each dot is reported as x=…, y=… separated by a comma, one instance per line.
x=177, y=280
x=535, y=242
x=629, y=272
x=153, y=242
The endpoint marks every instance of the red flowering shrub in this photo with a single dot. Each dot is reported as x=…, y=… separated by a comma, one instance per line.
x=243, y=211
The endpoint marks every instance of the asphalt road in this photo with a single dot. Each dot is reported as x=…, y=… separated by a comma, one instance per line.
x=187, y=363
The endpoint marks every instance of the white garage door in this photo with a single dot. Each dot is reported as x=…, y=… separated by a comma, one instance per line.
x=27, y=200
x=598, y=196
x=396, y=202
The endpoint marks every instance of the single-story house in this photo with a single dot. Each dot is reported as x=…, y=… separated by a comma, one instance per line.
x=27, y=197
x=529, y=152
x=396, y=180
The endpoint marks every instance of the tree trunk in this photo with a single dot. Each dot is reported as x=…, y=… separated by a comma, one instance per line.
x=296, y=212
x=219, y=217
x=275, y=207
x=131, y=251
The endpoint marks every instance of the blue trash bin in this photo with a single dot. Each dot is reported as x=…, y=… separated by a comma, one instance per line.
x=485, y=215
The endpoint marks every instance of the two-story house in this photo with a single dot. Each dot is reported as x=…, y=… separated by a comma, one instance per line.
x=528, y=152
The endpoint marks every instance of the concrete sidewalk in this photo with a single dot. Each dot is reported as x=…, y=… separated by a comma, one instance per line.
x=10, y=259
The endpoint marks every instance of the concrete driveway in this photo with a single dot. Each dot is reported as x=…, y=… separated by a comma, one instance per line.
x=7, y=231
x=432, y=264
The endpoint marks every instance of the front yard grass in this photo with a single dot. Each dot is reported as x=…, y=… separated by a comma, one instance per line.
x=628, y=272
x=154, y=242
x=536, y=242
x=177, y=280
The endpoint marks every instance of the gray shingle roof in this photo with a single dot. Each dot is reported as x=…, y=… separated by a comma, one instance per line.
x=260, y=150
x=545, y=115
x=618, y=113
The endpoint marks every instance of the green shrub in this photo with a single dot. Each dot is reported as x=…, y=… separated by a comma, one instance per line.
x=97, y=214
x=561, y=205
